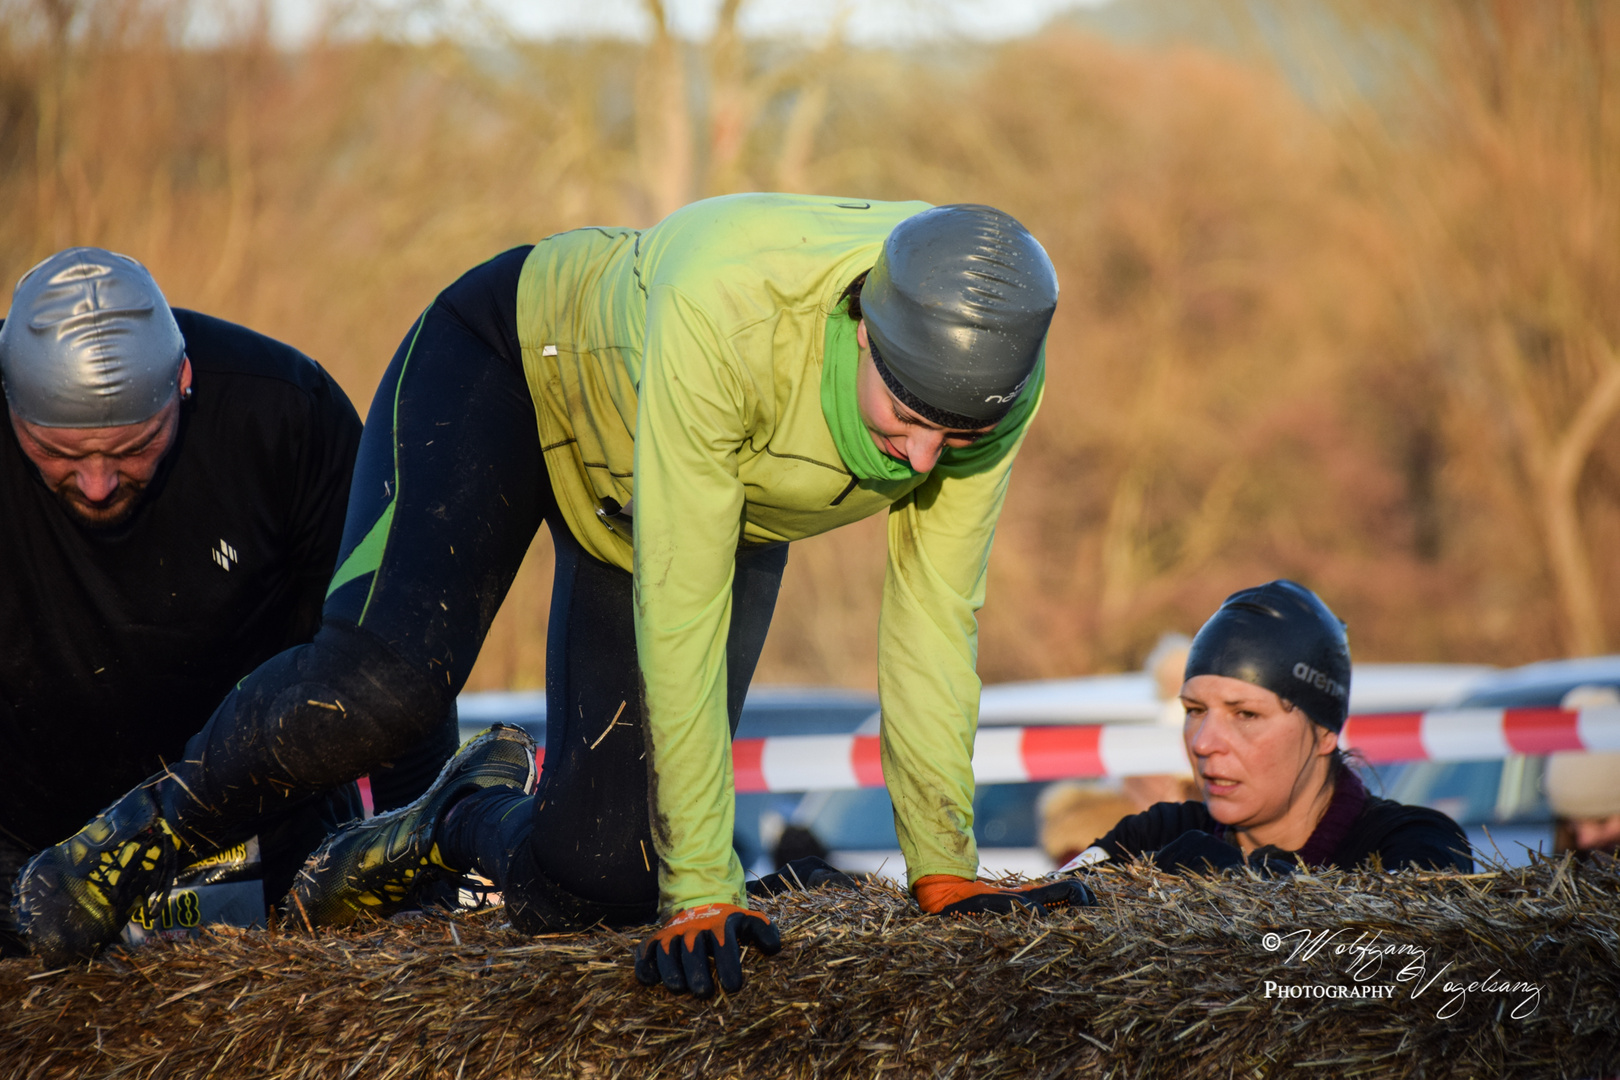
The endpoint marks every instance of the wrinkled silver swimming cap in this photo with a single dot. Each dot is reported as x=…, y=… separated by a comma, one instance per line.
x=958, y=305
x=90, y=342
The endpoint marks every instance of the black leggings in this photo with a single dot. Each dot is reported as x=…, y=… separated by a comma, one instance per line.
x=449, y=489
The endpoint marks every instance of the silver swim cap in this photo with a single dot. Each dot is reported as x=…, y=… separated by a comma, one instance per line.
x=90, y=342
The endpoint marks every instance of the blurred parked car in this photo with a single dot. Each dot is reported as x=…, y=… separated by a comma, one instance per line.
x=521, y=708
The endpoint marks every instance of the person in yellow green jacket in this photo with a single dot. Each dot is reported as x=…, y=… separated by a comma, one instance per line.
x=677, y=404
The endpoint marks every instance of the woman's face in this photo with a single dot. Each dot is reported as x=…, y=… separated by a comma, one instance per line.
x=897, y=431
x=1256, y=762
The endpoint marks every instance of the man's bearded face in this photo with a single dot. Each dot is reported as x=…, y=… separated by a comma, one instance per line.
x=99, y=475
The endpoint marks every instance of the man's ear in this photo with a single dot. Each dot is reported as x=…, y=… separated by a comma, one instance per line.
x=185, y=374
x=860, y=335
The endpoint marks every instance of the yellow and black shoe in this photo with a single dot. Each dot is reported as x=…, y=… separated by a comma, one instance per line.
x=74, y=898
x=377, y=867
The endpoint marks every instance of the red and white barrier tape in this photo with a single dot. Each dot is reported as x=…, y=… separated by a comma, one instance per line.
x=1481, y=734
x=1004, y=755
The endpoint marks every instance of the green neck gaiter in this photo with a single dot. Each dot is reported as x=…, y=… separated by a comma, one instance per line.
x=840, y=404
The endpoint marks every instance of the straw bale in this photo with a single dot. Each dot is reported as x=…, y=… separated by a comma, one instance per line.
x=1166, y=977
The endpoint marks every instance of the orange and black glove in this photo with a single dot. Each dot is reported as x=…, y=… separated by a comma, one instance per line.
x=678, y=954
x=945, y=894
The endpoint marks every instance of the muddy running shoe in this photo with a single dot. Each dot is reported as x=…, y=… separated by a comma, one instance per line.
x=74, y=898
x=377, y=867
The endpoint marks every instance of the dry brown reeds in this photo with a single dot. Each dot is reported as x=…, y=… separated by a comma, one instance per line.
x=1166, y=977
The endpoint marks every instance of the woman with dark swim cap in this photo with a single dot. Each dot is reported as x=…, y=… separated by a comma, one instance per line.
x=1267, y=692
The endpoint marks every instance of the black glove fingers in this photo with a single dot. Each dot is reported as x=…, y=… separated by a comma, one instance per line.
x=1030, y=902
x=684, y=968
x=728, y=957
x=1196, y=851
x=1062, y=894
x=670, y=968
x=760, y=934
x=647, y=963
x=695, y=963
x=809, y=872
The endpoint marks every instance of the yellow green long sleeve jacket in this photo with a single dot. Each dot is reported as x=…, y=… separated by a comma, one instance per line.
x=677, y=371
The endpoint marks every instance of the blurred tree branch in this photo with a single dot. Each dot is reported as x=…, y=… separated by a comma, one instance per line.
x=736, y=90
x=663, y=120
x=1491, y=131
x=1524, y=118
x=59, y=16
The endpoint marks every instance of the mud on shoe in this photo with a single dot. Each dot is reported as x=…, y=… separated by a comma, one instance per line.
x=377, y=867
x=74, y=898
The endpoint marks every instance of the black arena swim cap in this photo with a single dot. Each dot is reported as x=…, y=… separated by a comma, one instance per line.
x=957, y=307
x=1280, y=636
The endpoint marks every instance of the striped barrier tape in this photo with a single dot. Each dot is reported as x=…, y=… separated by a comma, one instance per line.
x=1003, y=755
x=1011, y=755
x=1481, y=734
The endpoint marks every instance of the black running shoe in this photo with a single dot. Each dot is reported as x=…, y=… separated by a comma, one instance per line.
x=74, y=898
x=377, y=867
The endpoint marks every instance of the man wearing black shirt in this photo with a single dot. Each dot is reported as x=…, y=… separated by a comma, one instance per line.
x=173, y=490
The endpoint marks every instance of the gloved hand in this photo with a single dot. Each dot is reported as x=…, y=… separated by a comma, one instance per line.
x=1197, y=852
x=679, y=952
x=809, y=872
x=946, y=894
x=1273, y=861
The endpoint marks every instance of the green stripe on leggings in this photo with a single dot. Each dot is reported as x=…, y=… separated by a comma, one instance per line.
x=367, y=556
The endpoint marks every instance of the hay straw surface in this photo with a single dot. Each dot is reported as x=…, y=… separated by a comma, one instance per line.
x=1166, y=977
